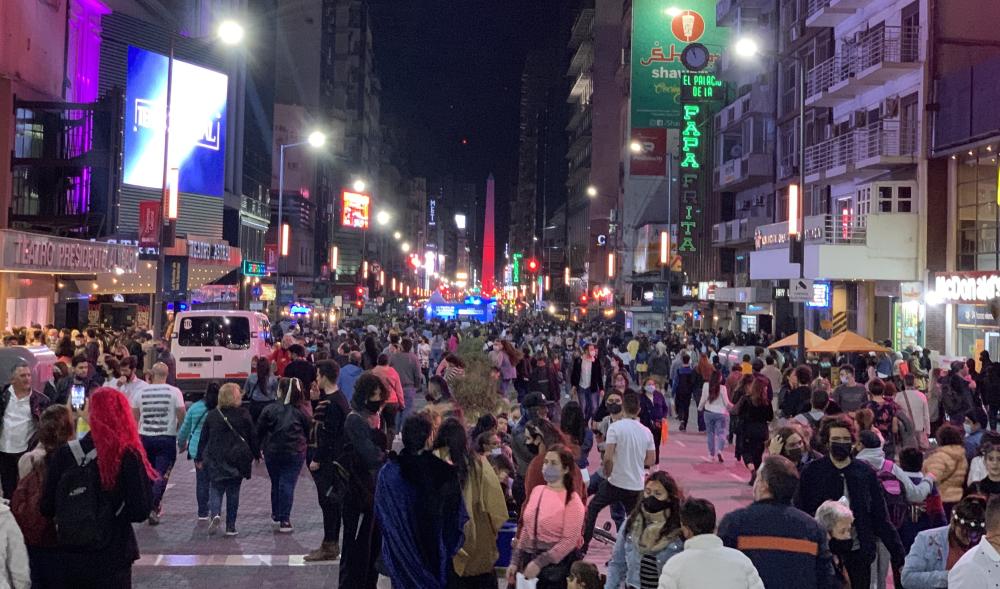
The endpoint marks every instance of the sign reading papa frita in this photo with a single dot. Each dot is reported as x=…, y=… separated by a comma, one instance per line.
x=32, y=252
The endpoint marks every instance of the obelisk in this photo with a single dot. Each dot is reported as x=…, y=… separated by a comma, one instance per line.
x=489, y=251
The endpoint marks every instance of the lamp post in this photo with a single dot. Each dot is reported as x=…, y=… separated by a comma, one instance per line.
x=316, y=140
x=229, y=32
x=747, y=47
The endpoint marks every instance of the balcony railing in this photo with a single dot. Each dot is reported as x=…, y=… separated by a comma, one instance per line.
x=844, y=230
x=881, y=45
x=889, y=138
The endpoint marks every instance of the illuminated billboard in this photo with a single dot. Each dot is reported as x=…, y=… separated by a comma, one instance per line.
x=197, y=127
x=356, y=207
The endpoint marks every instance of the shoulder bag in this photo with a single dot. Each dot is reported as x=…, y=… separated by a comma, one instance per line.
x=239, y=455
x=552, y=574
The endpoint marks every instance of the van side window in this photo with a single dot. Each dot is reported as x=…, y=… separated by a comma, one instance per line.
x=225, y=332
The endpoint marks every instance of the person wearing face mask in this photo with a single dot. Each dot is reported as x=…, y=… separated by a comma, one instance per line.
x=978, y=567
x=650, y=537
x=653, y=411
x=705, y=561
x=837, y=519
x=839, y=475
x=365, y=441
x=534, y=407
x=789, y=441
x=542, y=434
x=787, y=547
x=936, y=551
x=552, y=520
x=949, y=465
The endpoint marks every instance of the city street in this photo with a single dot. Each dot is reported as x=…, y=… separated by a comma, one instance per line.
x=178, y=553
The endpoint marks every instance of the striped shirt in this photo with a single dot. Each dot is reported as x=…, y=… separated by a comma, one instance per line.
x=157, y=404
x=649, y=571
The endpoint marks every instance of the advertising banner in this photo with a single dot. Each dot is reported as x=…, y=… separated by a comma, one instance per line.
x=34, y=252
x=149, y=223
x=661, y=29
x=197, y=126
x=356, y=209
x=651, y=157
x=175, y=278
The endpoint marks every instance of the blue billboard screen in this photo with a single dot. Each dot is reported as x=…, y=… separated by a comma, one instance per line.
x=197, y=126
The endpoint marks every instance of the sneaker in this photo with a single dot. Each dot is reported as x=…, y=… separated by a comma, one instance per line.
x=154, y=518
x=275, y=524
x=230, y=532
x=720, y=458
x=285, y=528
x=214, y=526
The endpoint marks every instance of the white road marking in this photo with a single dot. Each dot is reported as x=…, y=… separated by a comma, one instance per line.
x=230, y=560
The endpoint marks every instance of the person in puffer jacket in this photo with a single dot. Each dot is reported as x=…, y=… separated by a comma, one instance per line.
x=15, y=555
x=949, y=465
x=283, y=430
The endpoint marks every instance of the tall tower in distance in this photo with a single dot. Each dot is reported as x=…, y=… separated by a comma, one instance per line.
x=489, y=251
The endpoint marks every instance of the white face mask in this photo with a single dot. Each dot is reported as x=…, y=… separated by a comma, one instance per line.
x=496, y=452
x=650, y=388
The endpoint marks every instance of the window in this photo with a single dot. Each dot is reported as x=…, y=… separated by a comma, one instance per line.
x=226, y=332
x=978, y=216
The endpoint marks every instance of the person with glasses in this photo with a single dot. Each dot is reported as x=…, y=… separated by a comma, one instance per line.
x=839, y=475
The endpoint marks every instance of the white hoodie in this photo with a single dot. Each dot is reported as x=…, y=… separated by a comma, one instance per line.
x=12, y=550
x=875, y=458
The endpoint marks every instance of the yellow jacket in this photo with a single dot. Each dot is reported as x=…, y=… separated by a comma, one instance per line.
x=949, y=466
x=487, y=509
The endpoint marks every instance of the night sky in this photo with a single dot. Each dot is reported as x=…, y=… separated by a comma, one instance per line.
x=450, y=71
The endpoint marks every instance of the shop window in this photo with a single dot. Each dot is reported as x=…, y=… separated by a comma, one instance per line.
x=904, y=199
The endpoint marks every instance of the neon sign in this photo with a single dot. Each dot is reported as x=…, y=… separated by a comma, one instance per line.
x=690, y=137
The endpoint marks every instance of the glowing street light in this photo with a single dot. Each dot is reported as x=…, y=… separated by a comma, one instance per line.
x=397, y=236
x=317, y=139
x=746, y=47
x=359, y=185
x=635, y=147
x=382, y=217
x=591, y=191
x=405, y=246
x=230, y=32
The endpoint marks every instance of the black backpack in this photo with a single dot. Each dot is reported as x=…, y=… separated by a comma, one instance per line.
x=84, y=513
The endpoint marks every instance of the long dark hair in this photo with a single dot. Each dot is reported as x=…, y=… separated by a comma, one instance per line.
x=571, y=422
x=758, y=392
x=485, y=423
x=569, y=463
x=676, y=497
x=212, y=396
x=714, y=384
x=451, y=435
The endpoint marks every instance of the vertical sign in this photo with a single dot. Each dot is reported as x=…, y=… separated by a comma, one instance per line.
x=175, y=278
x=149, y=223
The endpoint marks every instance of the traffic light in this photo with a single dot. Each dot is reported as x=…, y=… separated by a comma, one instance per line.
x=583, y=299
x=362, y=292
x=532, y=265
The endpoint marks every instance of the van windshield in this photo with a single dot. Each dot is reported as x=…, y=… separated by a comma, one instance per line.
x=224, y=332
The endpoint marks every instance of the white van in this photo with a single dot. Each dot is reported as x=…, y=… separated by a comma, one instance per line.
x=217, y=346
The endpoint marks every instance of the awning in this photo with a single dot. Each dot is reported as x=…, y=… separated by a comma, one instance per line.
x=792, y=341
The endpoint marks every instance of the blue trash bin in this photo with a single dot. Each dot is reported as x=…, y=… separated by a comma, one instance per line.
x=505, y=543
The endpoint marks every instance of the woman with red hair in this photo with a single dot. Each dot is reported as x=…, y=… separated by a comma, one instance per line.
x=125, y=477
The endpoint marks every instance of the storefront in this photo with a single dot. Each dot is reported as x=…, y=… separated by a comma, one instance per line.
x=967, y=296
x=751, y=308
x=36, y=269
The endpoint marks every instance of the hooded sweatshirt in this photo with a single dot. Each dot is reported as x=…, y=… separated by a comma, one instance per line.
x=875, y=458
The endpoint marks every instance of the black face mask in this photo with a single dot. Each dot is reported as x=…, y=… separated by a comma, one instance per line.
x=373, y=406
x=532, y=448
x=840, y=547
x=653, y=505
x=430, y=398
x=794, y=454
x=614, y=408
x=840, y=450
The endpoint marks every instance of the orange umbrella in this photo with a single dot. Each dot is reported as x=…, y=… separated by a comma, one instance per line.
x=792, y=341
x=847, y=341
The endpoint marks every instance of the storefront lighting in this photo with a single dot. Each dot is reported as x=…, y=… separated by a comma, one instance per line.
x=664, y=248
x=335, y=258
x=793, y=210
x=285, y=230
x=932, y=298
x=566, y=275
x=611, y=265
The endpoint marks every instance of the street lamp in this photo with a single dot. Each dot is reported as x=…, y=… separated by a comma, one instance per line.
x=747, y=47
x=635, y=147
x=316, y=140
x=229, y=32
x=382, y=217
x=397, y=235
x=359, y=185
x=591, y=191
x=405, y=246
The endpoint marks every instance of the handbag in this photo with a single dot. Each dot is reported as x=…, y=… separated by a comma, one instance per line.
x=241, y=455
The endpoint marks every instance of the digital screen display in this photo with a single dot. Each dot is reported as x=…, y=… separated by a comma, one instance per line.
x=355, y=210
x=197, y=127
x=821, y=295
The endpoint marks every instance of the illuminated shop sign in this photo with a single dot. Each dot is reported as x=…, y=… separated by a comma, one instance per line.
x=355, y=210
x=967, y=287
x=821, y=295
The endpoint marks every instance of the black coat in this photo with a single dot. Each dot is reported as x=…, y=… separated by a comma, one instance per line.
x=822, y=481
x=282, y=429
x=596, y=374
x=219, y=444
x=133, y=491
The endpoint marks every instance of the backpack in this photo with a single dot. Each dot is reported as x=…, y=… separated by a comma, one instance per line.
x=951, y=399
x=37, y=529
x=84, y=515
x=897, y=506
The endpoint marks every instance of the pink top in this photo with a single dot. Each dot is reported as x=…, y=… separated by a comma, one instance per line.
x=560, y=528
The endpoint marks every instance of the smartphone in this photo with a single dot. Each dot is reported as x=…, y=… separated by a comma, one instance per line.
x=77, y=396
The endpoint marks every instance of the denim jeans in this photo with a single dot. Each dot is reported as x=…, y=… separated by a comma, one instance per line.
x=717, y=425
x=409, y=397
x=589, y=401
x=283, y=469
x=162, y=454
x=201, y=490
x=231, y=489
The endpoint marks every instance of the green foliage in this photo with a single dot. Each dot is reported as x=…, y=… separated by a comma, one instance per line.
x=475, y=392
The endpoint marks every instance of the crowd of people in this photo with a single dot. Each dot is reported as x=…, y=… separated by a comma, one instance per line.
x=865, y=468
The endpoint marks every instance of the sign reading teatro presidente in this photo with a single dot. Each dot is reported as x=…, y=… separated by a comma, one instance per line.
x=29, y=252
x=661, y=30
x=967, y=287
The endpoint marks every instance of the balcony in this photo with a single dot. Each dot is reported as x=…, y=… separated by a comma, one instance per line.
x=881, y=246
x=881, y=145
x=757, y=101
x=736, y=232
x=581, y=89
x=581, y=27
x=871, y=59
x=743, y=172
x=582, y=59
x=830, y=13
x=728, y=13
